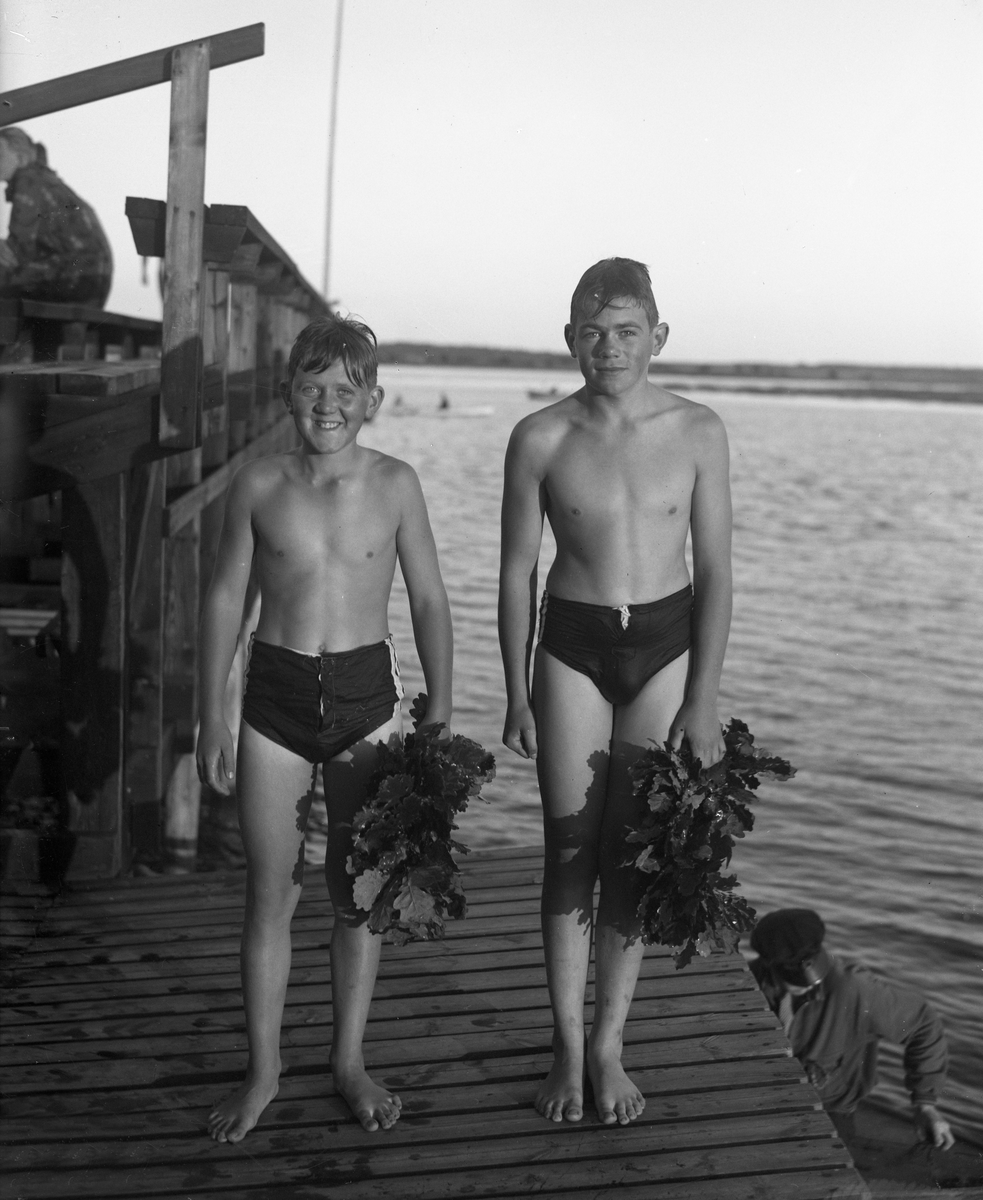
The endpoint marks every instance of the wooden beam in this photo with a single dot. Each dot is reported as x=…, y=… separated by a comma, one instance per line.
x=49, y=310
x=241, y=382
x=93, y=378
x=143, y=779
x=190, y=503
x=215, y=412
x=234, y=239
x=127, y=75
x=182, y=587
x=93, y=653
x=105, y=443
x=215, y=396
x=181, y=364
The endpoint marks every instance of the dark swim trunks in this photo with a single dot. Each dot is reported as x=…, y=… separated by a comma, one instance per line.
x=318, y=705
x=618, y=649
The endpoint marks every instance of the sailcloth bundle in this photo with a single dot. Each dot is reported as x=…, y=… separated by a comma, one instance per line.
x=687, y=836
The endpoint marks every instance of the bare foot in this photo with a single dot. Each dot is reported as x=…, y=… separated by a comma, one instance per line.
x=617, y=1099
x=231, y=1120
x=372, y=1105
x=561, y=1094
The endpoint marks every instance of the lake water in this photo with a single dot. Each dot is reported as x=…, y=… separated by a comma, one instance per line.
x=856, y=652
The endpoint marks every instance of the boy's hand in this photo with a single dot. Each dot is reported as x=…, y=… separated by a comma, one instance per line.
x=520, y=731
x=701, y=728
x=933, y=1127
x=215, y=756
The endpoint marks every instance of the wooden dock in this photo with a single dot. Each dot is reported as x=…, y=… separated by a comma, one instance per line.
x=122, y=1025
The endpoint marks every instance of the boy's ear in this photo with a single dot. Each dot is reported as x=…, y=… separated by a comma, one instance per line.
x=376, y=397
x=660, y=335
x=569, y=333
x=285, y=393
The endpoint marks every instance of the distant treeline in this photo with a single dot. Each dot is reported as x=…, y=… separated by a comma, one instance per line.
x=425, y=354
x=422, y=354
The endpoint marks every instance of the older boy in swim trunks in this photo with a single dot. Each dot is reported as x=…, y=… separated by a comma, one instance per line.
x=322, y=526
x=629, y=654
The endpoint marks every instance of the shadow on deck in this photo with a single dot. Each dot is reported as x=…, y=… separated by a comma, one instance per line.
x=123, y=1025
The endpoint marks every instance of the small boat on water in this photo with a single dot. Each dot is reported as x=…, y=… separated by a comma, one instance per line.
x=444, y=411
x=467, y=410
x=554, y=393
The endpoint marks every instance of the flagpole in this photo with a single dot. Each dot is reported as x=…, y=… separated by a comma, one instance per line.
x=332, y=123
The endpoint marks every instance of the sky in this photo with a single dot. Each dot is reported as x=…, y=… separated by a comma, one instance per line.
x=804, y=180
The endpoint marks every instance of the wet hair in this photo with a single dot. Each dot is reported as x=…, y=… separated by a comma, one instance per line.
x=330, y=339
x=613, y=279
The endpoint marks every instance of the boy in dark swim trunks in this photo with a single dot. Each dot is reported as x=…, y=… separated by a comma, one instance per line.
x=322, y=527
x=629, y=651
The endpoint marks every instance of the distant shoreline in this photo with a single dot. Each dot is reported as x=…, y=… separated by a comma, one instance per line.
x=962, y=385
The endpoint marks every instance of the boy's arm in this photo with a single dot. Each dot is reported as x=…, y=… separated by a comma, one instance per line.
x=221, y=619
x=429, y=609
x=523, y=507
x=710, y=521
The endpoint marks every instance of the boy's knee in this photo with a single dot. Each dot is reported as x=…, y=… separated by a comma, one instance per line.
x=273, y=903
x=570, y=862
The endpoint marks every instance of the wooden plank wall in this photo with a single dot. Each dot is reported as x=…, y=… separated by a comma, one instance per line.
x=139, y=534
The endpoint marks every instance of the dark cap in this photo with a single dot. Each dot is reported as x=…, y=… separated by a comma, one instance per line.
x=788, y=935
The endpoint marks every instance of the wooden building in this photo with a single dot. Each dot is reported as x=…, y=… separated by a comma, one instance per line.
x=119, y=437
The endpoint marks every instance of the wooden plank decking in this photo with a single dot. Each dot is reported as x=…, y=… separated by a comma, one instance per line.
x=122, y=1024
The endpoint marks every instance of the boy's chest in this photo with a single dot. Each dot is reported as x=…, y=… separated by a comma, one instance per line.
x=597, y=476
x=302, y=523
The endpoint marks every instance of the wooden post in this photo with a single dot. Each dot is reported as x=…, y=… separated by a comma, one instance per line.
x=92, y=663
x=215, y=414
x=215, y=349
x=182, y=585
x=265, y=366
x=180, y=426
x=146, y=753
x=242, y=360
x=180, y=399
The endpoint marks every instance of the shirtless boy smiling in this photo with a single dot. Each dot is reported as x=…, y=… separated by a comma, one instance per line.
x=630, y=650
x=322, y=526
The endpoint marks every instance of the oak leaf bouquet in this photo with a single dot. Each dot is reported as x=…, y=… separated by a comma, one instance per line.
x=687, y=836
x=405, y=877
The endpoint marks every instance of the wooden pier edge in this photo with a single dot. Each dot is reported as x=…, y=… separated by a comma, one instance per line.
x=123, y=1025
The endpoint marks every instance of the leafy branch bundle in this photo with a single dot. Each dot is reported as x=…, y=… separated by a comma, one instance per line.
x=405, y=877
x=688, y=834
